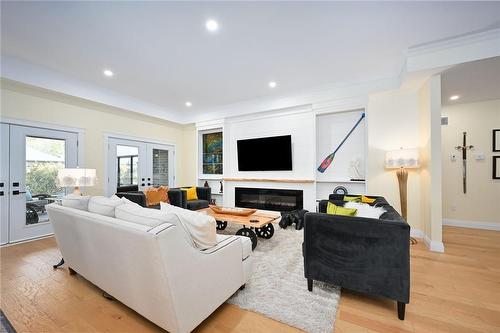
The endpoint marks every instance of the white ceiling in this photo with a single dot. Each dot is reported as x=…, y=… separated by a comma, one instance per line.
x=162, y=55
x=473, y=81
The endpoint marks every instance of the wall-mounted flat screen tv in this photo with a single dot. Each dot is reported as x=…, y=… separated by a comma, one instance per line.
x=265, y=154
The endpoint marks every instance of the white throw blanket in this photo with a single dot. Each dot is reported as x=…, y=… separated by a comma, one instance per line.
x=201, y=227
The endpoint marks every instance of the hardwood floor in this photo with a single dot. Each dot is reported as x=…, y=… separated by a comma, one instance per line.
x=458, y=291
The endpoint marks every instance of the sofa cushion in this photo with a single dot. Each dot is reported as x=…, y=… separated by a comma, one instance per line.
x=365, y=210
x=246, y=247
x=201, y=227
x=134, y=213
x=197, y=204
x=151, y=217
x=80, y=202
x=223, y=240
x=104, y=206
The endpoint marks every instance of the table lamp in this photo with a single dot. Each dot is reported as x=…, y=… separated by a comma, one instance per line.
x=402, y=160
x=76, y=177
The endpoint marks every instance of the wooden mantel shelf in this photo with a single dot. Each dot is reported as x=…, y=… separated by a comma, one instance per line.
x=272, y=180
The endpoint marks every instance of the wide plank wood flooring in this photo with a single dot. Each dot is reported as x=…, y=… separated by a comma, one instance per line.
x=458, y=291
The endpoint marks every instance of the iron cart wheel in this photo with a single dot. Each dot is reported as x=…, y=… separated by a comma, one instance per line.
x=266, y=231
x=221, y=225
x=248, y=233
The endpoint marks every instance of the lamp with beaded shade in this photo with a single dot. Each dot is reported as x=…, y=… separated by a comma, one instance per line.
x=76, y=177
x=403, y=159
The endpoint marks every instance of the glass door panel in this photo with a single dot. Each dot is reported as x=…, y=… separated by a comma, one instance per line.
x=126, y=170
x=161, y=165
x=44, y=158
x=127, y=163
x=35, y=157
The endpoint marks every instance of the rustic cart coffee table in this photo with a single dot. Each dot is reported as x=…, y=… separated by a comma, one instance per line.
x=258, y=224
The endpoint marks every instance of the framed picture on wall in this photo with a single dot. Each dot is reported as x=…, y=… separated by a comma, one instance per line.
x=496, y=167
x=496, y=139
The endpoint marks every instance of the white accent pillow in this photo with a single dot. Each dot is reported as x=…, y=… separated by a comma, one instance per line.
x=365, y=210
x=201, y=227
x=151, y=217
x=104, y=206
x=76, y=201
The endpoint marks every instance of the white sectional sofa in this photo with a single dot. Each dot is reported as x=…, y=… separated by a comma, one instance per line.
x=152, y=268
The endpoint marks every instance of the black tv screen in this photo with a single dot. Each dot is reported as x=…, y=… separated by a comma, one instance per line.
x=265, y=154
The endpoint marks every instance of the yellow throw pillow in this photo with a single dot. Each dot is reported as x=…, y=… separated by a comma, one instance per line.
x=367, y=200
x=191, y=193
x=333, y=209
x=356, y=198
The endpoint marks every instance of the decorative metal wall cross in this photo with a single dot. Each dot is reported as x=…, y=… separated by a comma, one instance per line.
x=464, y=149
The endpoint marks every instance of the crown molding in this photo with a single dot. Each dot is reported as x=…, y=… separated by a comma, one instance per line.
x=21, y=71
x=453, y=51
x=460, y=40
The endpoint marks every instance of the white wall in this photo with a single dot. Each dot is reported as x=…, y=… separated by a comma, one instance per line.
x=429, y=109
x=392, y=120
x=28, y=103
x=480, y=205
x=298, y=122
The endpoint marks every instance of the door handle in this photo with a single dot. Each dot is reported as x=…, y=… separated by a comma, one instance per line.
x=16, y=184
x=1, y=193
x=149, y=184
x=143, y=185
x=16, y=192
x=1, y=184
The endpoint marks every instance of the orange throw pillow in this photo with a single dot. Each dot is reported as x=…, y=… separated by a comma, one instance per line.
x=163, y=193
x=156, y=195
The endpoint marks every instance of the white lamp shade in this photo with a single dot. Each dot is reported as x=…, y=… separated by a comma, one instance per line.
x=402, y=158
x=76, y=177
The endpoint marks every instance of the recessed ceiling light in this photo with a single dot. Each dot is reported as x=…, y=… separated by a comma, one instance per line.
x=188, y=104
x=212, y=25
x=108, y=73
x=272, y=84
x=454, y=97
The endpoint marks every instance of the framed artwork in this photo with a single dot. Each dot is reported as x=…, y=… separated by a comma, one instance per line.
x=496, y=140
x=496, y=167
x=212, y=153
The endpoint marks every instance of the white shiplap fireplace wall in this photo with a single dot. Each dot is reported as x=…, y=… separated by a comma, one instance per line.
x=299, y=122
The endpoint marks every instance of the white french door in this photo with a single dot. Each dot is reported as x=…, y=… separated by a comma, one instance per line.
x=31, y=158
x=136, y=165
x=4, y=184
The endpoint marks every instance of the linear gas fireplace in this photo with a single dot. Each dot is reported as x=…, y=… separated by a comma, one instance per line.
x=269, y=199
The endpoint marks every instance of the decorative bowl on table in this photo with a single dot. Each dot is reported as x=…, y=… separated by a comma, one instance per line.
x=232, y=210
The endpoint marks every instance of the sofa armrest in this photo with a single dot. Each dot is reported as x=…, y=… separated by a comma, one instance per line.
x=175, y=196
x=367, y=255
x=137, y=197
x=204, y=193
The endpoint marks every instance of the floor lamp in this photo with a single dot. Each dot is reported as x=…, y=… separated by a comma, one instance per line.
x=403, y=159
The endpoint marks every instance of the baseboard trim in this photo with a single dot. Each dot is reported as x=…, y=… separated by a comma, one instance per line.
x=433, y=245
x=472, y=224
x=416, y=233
